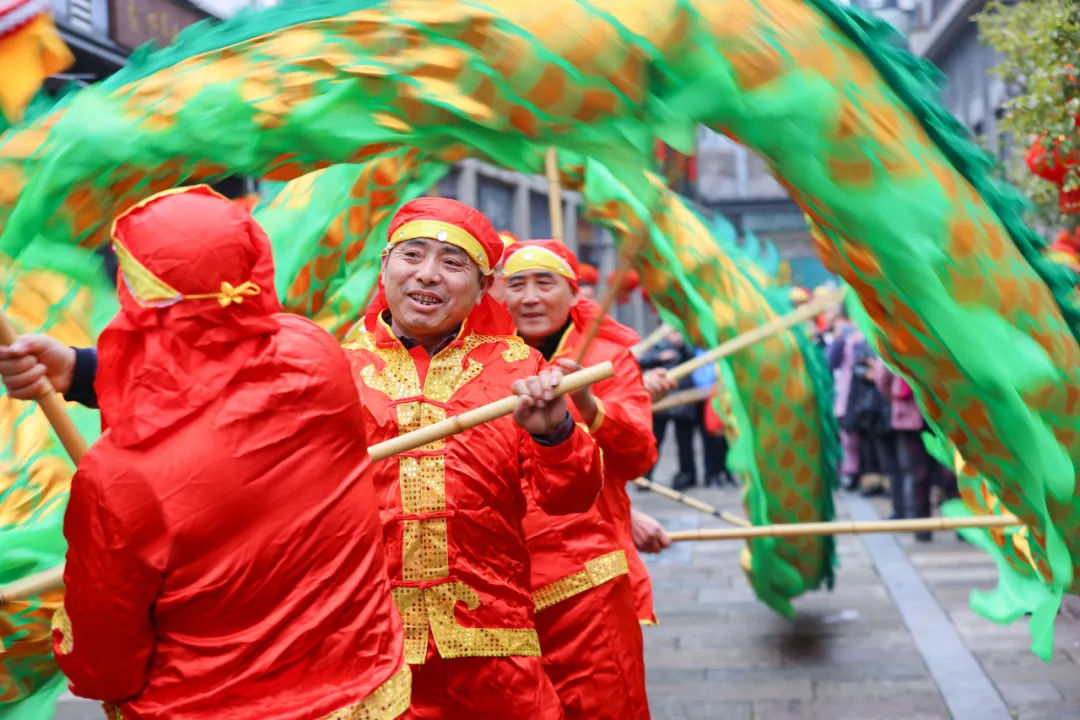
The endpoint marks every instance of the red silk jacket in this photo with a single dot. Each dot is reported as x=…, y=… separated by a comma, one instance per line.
x=572, y=554
x=232, y=567
x=452, y=511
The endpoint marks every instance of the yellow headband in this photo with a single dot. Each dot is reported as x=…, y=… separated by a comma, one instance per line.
x=537, y=258
x=150, y=290
x=443, y=232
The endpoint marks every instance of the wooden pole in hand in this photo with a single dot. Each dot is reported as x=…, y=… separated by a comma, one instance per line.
x=683, y=397
x=51, y=405
x=751, y=337
x=39, y=582
x=692, y=502
x=651, y=340
x=848, y=528
x=551, y=166
x=76, y=447
x=485, y=413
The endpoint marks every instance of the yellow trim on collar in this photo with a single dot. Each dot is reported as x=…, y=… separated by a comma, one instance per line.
x=537, y=258
x=600, y=415
x=443, y=232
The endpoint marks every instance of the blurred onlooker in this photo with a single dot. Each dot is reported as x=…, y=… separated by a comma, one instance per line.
x=714, y=444
x=842, y=364
x=668, y=353
x=918, y=469
x=867, y=418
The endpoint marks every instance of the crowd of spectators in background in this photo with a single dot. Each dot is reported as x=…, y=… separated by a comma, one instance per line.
x=880, y=424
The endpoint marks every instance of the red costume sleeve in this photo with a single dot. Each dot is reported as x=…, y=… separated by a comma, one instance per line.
x=103, y=636
x=623, y=428
x=565, y=478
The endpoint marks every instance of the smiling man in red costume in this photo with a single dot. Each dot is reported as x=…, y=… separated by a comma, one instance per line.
x=224, y=556
x=435, y=344
x=590, y=586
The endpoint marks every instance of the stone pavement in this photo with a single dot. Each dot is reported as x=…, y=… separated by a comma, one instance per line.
x=719, y=653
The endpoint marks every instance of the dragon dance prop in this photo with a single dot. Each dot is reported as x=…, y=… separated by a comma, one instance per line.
x=35, y=475
x=1022, y=589
x=847, y=528
x=778, y=389
x=690, y=501
x=907, y=209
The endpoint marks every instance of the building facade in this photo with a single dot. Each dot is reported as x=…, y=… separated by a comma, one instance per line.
x=736, y=183
x=102, y=33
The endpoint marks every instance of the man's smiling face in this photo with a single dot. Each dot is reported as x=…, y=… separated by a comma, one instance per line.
x=431, y=287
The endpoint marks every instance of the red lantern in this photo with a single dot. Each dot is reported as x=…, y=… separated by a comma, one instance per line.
x=587, y=274
x=1044, y=164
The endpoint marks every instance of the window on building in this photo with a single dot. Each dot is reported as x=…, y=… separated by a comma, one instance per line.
x=447, y=185
x=539, y=215
x=496, y=200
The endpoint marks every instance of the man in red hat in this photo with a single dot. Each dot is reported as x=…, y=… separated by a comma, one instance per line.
x=435, y=344
x=224, y=555
x=590, y=586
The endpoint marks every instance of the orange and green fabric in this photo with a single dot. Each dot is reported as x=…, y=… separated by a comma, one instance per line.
x=329, y=228
x=779, y=390
x=35, y=476
x=909, y=211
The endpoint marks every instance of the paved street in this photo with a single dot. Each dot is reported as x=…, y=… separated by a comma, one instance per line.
x=718, y=653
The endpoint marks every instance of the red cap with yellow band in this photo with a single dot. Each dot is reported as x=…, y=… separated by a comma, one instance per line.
x=544, y=255
x=452, y=222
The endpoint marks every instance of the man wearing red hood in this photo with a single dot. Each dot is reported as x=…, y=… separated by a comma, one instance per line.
x=591, y=589
x=435, y=344
x=224, y=555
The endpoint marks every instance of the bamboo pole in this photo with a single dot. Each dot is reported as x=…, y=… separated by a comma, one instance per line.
x=551, y=166
x=39, y=582
x=485, y=413
x=692, y=502
x=683, y=397
x=848, y=528
x=51, y=405
x=651, y=340
x=746, y=339
x=611, y=291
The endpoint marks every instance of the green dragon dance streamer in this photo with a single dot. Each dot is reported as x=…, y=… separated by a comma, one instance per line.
x=35, y=475
x=328, y=229
x=909, y=214
x=779, y=389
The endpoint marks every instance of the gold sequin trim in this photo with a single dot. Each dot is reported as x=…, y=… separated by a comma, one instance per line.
x=433, y=607
x=422, y=485
x=61, y=622
x=386, y=702
x=597, y=572
x=516, y=351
